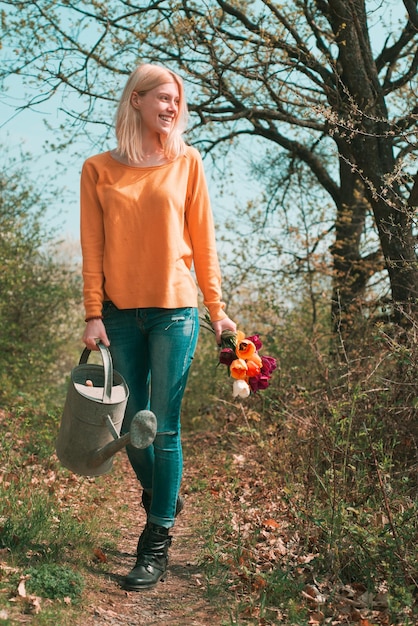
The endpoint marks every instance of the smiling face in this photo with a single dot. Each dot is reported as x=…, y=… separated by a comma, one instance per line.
x=158, y=108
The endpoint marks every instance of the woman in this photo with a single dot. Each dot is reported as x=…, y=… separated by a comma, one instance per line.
x=145, y=219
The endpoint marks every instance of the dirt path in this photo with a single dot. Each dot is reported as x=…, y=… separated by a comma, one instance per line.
x=178, y=601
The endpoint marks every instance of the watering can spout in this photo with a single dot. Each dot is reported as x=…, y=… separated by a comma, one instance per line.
x=141, y=434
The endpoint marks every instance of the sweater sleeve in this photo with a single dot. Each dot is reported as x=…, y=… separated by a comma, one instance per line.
x=92, y=241
x=200, y=224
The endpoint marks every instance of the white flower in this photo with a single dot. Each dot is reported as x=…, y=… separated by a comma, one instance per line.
x=240, y=389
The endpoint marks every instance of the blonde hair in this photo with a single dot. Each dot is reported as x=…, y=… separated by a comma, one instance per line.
x=128, y=120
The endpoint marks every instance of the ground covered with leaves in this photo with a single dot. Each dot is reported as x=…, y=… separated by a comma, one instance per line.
x=248, y=548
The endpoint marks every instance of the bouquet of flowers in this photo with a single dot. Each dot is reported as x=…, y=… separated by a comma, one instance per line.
x=251, y=371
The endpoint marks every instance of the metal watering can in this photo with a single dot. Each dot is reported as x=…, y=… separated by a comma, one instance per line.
x=92, y=418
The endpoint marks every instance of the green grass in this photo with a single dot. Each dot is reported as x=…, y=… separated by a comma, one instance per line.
x=50, y=521
x=53, y=581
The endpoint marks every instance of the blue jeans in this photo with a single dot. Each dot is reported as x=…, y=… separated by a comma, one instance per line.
x=153, y=349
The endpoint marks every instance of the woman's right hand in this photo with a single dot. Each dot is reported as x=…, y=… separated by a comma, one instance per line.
x=94, y=331
x=220, y=325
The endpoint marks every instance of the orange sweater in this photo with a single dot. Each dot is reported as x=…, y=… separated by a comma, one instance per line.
x=141, y=230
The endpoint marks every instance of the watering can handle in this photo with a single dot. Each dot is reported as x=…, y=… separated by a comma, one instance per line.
x=107, y=366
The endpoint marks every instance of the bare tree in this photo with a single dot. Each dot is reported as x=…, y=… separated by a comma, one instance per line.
x=330, y=84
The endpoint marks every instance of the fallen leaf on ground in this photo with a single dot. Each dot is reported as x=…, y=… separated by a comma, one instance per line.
x=100, y=555
x=271, y=523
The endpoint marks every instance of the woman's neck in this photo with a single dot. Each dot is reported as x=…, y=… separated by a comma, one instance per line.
x=150, y=157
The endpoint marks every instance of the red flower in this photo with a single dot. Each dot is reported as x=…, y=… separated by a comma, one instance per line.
x=226, y=356
x=256, y=341
x=258, y=383
x=269, y=364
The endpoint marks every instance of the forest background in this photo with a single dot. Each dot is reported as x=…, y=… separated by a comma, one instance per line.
x=315, y=102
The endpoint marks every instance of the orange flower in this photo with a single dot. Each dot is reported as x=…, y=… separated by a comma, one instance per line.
x=238, y=369
x=256, y=358
x=254, y=365
x=239, y=336
x=245, y=348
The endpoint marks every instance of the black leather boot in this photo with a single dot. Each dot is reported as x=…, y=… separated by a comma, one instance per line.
x=146, y=503
x=152, y=560
x=141, y=539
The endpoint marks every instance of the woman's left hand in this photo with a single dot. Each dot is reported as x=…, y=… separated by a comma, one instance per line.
x=220, y=325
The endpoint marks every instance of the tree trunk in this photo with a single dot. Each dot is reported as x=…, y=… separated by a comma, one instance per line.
x=351, y=269
x=362, y=108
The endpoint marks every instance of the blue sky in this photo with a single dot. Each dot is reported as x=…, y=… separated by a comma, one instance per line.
x=26, y=130
x=60, y=171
